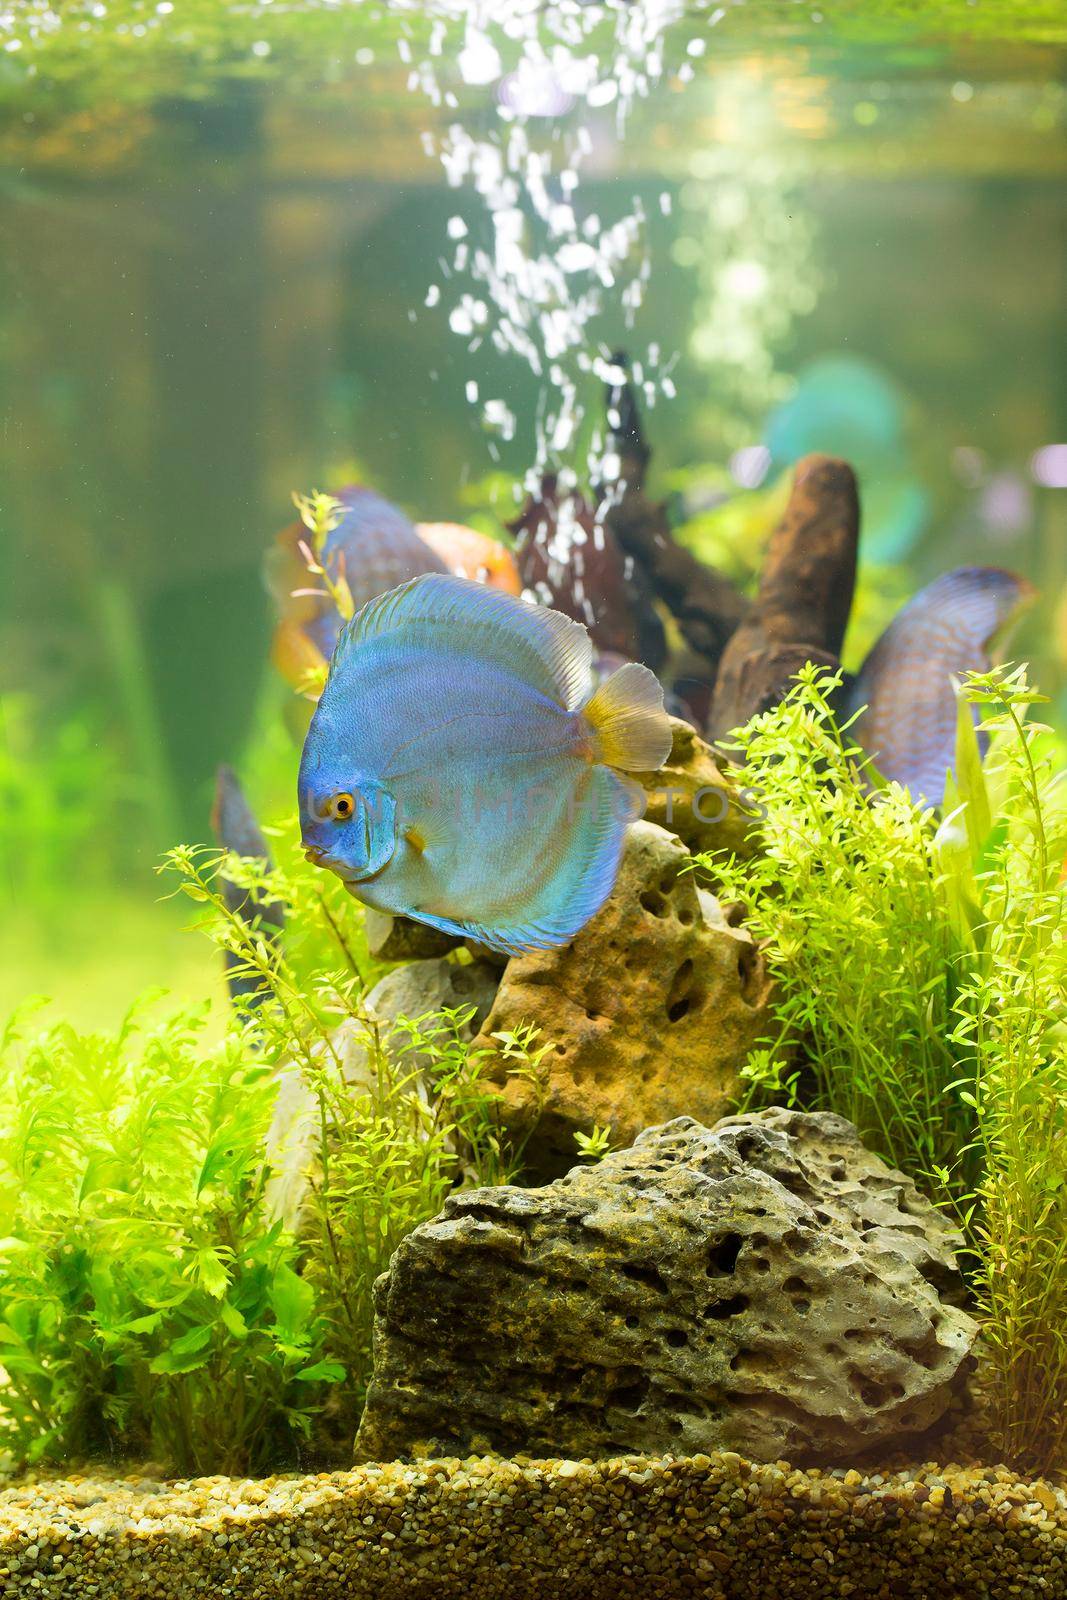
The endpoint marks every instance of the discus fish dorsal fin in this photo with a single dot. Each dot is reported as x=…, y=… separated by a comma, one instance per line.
x=631, y=728
x=553, y=653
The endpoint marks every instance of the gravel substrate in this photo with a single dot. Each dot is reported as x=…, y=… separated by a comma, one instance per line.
x=490, y=1529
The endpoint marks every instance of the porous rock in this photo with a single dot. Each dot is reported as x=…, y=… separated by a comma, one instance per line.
x=767, y=1286
x=650, y=1012
x=396, y=938
x=692, y=796
x=422, y=987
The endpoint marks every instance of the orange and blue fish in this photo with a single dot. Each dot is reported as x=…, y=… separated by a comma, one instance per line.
x=374, y=547
x=462, y=766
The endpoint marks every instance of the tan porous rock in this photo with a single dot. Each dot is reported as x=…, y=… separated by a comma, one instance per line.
x=767, y=1286
x=650, y=1011
x=697, y=798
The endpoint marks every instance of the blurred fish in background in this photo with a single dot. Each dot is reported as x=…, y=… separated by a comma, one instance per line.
x=373, y=547
x=237, y=831
x=469, y=554
x=904, y=692
x=846, y=406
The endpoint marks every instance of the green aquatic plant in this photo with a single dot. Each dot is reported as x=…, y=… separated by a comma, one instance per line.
x=147, y=1302
x=191, y=1226
x=921, y=977
x=846, y=894
x=594, y=1145
x=414, y=1122
x=399, y=1114
x=1004, y=871
x=385, y=1156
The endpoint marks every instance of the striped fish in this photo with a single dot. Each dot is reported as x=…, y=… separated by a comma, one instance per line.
x=908, y=725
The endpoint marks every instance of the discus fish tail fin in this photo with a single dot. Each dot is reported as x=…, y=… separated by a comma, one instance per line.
x=631, y=730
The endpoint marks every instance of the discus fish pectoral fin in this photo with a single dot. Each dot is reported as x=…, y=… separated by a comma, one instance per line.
x=631, y=729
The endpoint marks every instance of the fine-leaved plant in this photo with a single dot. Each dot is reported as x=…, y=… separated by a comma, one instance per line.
x=174, y=1281
x=921, y=979
x=393, y=1117
x=1010, y=1034
x=845, y=894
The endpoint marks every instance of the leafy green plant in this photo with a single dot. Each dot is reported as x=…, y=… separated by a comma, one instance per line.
x=921, y=976
x=594, y=1145
x=846, y=894
x=146, y=1302
x=1005, y=880
x=170, y=1281
x=403, y=1124
x=391, y=1119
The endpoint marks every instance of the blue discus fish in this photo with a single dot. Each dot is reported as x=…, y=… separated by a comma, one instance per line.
x=909, y=725
x=458, y=767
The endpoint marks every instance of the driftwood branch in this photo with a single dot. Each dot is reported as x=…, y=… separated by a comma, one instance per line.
x=740, y=656
x=706, y=606
x=589, y=577
x=805, y=595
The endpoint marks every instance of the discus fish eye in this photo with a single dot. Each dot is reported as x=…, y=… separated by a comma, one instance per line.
x=340, y=807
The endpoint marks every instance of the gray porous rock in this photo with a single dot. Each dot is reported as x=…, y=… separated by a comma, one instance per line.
x=428, y=986
x=396, y=938
x=767, y=1286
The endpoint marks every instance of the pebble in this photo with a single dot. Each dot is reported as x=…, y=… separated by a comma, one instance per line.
x=491, y=1529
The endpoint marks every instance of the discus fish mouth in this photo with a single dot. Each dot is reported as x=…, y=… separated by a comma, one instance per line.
x=320, y=857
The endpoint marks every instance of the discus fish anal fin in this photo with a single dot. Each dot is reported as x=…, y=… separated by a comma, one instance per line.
x=631, y=729
x=554, y=653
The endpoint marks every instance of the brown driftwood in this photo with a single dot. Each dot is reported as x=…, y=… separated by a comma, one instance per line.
x=706, y=606
x=802, y=607
x=589, y=577
x=740, y=656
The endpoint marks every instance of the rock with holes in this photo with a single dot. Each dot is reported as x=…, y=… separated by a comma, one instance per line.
x=425, y=988
x=766, y=1286
x=396, y=938
x=691, y=795
x=650, y=1011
